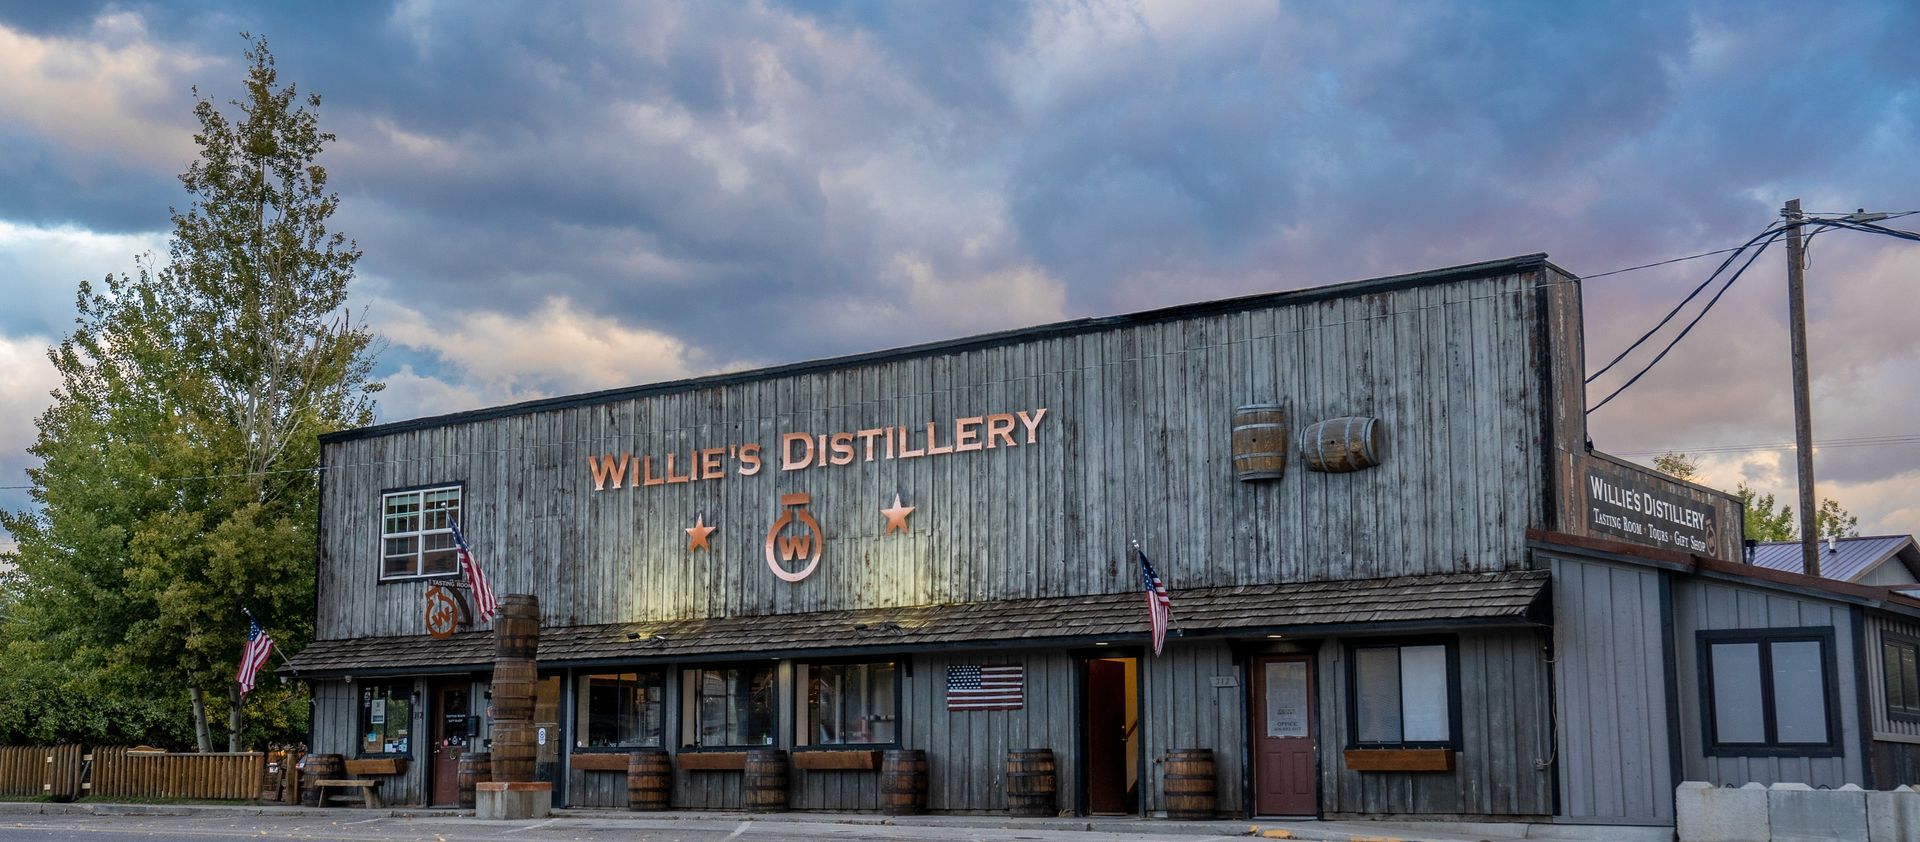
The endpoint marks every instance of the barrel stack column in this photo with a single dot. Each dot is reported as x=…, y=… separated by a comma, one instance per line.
x=513, y=793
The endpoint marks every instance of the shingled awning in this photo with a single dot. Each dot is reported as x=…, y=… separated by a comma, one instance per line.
x=1347, y=606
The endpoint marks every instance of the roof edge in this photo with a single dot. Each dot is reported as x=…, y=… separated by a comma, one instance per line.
x=1308, y=295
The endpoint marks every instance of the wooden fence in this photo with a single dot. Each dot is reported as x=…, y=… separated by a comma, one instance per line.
x=121, y=772
x=41, y=770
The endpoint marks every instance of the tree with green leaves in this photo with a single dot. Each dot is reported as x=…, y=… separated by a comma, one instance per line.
x=178, y=484
x=1767, y=519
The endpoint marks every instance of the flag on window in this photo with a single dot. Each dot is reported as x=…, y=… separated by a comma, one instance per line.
x=1159, y=604
x=252, y=658
x=973, y=687
x=484, y=605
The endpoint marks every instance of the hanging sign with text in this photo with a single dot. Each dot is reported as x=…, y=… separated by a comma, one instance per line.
x=806, y=450
x=1626, y=505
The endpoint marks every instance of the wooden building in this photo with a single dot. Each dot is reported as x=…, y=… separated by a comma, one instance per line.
x=1415, y=608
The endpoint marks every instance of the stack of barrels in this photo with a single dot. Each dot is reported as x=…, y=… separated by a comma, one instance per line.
x=516, y=643
x=649, y=779
x=1031, y=782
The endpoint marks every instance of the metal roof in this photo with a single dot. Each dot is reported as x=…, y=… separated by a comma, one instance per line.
x=1439, y=601
x=1848, y=561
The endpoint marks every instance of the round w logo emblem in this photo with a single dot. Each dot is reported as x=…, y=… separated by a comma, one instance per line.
x=803, y=542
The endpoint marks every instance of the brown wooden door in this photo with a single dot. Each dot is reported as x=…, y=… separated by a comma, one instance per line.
x=1106, y=736
x=1284, y=781
x=451, y=712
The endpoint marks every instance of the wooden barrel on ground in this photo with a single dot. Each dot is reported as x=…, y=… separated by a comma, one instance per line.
x=1031, y=782
x=763, y=788
x=1190, y=784
x=318, y=766
x=475, y=766
x=1342, y=445
x=903, y=782
x=513, y=751
x=649, y=779
x=1259, y=442
x=516, y=630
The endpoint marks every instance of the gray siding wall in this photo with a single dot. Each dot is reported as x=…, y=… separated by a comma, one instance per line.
x=1885, y=727
x=1134, y=445
x=336, y=721
x=1615, y=760
x=1505, y=730
x=1182, y=709
x=1704, y=604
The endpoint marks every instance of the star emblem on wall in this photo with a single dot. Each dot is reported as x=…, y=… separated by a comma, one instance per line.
x=697, y=535
x=897, y=515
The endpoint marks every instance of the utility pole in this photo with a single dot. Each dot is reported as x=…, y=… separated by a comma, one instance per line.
x=1802, y=401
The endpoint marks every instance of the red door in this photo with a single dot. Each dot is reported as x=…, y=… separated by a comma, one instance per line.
x=450, y=716
x=1284, y=783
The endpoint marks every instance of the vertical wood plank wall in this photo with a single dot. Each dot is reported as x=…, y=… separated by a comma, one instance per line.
x=1134, y=445
x=336, y=724
x=1182, y=709
x=1701, y=604
x=1504, y=698
x=1895, y=751
x=1615, y=755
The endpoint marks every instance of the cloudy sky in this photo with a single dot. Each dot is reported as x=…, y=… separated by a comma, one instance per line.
x=555, y=198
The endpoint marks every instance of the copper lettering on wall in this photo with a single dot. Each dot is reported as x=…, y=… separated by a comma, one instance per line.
x=443, y=612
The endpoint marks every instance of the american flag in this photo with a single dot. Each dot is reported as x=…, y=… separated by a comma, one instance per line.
x=484, y=605
x=1159, y=605
x=973, y=687
x=259, y=646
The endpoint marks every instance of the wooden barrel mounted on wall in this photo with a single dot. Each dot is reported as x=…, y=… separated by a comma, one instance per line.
x=1343, y=445
x=1190, y=784
x=319, y=766
x=1259, y=442
x=475, y=766
x=903, y=782
x=516, y=630
x=1031, y=782
x=513, y=751
x=649, y=779
x=763, y=788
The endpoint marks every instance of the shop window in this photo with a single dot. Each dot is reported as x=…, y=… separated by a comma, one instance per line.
x=1769, y=692
x=1900, y=662
x=416, y=533
x=621, y=710
x=727, y=706
x=386, y=718
x=1402, y=694
x=847, y=704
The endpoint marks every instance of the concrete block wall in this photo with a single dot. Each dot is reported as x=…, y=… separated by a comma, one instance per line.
x=1794, y=813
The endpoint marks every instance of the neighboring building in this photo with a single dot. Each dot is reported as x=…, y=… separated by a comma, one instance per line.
x=1872, y=560
x=929, y=548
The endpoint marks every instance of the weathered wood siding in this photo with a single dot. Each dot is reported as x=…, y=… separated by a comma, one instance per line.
x=1886, y=727
x=1182, y=709
x=1506, y=737
x=1705, y=604
x=1134, y=445
x=1615, y=760
x=336, y=722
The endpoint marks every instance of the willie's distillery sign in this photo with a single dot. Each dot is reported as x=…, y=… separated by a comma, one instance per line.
x=802, y=450
x=1629, y=506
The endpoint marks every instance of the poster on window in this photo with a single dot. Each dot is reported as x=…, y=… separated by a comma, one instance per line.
x=378, y=716
x=1287, y=699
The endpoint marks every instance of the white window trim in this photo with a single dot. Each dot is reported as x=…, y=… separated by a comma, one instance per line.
x=420, y=545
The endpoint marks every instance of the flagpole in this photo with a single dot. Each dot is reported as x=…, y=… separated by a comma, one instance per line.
x=276, y=649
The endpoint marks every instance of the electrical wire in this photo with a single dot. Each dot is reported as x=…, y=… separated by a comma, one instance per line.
x=1684, y=301
x=1862, y=441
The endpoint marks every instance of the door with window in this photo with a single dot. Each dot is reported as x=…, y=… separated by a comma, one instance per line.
x=1284, y=781
x=451, y=713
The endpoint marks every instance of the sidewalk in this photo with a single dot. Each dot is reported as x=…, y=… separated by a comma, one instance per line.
x=1308, y=830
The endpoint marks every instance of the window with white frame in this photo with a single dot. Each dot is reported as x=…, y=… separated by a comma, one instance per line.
x=1402, y=694
x=416, y=532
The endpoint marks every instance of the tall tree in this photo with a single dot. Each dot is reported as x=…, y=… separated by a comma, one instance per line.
x=1766, y=518
x=178, y=484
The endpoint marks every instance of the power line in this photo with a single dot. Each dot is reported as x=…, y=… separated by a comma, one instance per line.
x=1863, y=441
x=1684, y=301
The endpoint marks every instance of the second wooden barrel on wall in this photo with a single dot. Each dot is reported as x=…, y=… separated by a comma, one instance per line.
x=764, y=786
x=1190, y=784
x=1259, y=442
x=903, y=782
x=1031, y=782
x=649, y=779
x=1343, y=445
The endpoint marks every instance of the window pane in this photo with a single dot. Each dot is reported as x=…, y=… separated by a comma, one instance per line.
x=386, y=718
x=1910, y=675
x=1799, y=692
x=1376, y=703
x=850, y=703
x=735, y=707
x=1423, y=694
x=1890, y=668
x=444, y=561
x=403, y=546
x=400, y=504
x=620, y=710
x=1736, y=693
x=441, y=507
x=398, y=566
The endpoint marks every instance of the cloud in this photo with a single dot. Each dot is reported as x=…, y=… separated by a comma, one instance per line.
x=41, y=269
x=27, y=380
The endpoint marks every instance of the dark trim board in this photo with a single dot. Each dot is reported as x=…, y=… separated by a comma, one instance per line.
x=1764, y=637
x=1471, y=271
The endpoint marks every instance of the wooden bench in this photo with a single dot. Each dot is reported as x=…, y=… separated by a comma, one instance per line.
x=368, y=795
